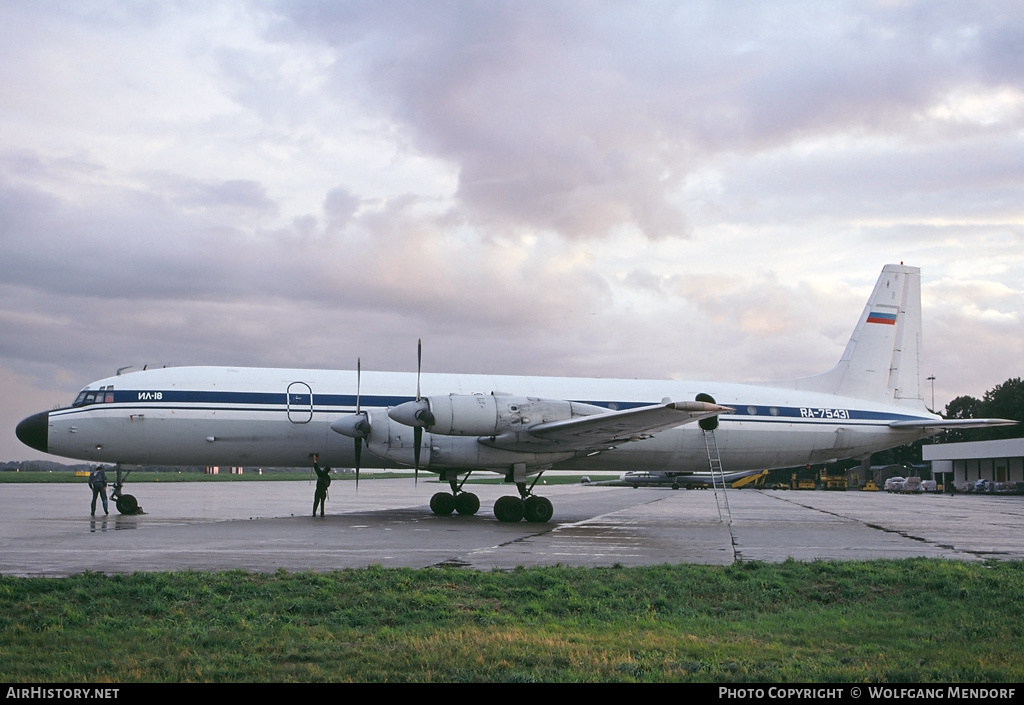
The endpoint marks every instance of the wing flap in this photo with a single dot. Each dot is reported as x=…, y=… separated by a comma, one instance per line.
x=601, y=431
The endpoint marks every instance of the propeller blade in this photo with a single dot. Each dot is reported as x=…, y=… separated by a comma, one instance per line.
x=419, y=366
x=417, y=439
x=359, y=453
x=359, y=441
x=417, y=432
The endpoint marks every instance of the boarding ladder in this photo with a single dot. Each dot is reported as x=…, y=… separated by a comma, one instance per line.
x=717, y=474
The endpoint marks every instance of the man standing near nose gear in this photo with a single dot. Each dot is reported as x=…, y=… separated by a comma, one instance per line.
x=98, y=485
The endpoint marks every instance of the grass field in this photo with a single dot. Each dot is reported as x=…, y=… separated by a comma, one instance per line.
x=880, y=621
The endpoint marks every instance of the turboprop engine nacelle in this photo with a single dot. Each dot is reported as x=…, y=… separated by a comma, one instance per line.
x=385, y=438
x=353, y=426
x=485, y=415
x=390, y=440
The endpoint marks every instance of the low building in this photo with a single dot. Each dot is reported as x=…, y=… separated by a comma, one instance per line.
x=215, y=470
x=966, y=463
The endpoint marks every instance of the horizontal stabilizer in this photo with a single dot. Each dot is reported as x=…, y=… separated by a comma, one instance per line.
x=942, y=424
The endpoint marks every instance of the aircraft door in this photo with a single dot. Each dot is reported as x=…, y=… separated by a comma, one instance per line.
x=299, y=402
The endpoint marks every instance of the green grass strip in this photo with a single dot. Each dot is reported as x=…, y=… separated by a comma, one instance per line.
x=870, y=621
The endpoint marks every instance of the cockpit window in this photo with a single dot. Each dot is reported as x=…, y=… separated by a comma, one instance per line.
x=100, y=396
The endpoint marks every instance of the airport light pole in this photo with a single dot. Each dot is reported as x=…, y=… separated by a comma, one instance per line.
x=932, y=380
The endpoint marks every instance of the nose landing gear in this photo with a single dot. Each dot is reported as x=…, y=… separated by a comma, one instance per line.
x=125, y=503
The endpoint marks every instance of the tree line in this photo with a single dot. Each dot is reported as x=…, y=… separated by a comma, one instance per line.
x=1004, y=401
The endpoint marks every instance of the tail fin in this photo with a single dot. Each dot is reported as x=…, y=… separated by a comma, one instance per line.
x=882, y=361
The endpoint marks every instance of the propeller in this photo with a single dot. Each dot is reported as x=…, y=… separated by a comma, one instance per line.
x=417, y=431
x=416, y=413
x=359, y=424
x=356, y=426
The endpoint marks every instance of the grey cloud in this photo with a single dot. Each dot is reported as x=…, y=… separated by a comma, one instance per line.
x=976, y=178
x=577, y=122
x=500, y=90
x=339, y=207
x=136, y=276
x=121, y=243
x=970, y=356
x=234, y=195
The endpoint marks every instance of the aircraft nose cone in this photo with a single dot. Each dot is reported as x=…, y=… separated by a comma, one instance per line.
x=33, y=431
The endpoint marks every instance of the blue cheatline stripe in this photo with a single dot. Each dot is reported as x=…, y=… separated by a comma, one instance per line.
x=326, y=403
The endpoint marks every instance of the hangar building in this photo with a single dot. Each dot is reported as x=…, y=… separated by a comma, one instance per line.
x=995, y=461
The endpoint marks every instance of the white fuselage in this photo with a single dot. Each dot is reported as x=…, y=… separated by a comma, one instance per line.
x=279, y=417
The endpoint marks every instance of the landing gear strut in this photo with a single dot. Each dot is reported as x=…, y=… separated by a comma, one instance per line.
x=465, y=503
x=529, y=506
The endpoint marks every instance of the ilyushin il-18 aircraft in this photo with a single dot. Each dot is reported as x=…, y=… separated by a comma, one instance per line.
x=518, y=427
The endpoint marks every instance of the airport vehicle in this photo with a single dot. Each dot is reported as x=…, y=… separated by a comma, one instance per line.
x=802, y=483
x=518, y=427
x=755, y=480
x=833, y=482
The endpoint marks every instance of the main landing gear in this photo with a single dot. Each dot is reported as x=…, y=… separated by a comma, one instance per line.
x=527, y=505
x=534, y=509
x=509, y=509
x=465, y=503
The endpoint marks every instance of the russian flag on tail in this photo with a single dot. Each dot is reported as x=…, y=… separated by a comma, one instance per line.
x=888, y=319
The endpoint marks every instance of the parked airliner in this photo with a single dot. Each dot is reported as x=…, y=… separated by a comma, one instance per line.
x=675, y=480
x=518, y=427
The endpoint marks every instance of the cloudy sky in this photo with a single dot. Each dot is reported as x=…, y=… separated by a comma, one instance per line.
x=692, y=190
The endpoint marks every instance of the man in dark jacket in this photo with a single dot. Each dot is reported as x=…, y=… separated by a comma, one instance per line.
x=98, y=485
x=323, y=481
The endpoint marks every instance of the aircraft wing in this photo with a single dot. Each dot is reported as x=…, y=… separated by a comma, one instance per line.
x=945, y=424
x=602, y=431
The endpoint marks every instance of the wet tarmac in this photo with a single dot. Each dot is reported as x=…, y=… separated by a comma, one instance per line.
x=46, y=530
